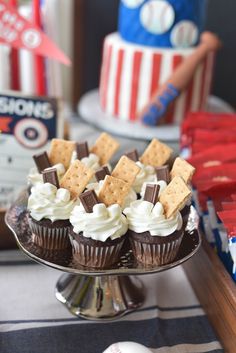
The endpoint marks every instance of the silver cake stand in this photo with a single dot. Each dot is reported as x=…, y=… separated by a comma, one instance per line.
x=93, y=293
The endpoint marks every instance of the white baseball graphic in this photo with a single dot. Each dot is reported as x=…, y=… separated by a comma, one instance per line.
x=132, y=3
x=157, y=16
x=184, y=34
x=127, y=347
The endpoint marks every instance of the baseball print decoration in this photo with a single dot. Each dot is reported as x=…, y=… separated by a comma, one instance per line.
x=157, y=16
x=27, y=125
x=184, y=34
x=162, y=23
x=18, y=32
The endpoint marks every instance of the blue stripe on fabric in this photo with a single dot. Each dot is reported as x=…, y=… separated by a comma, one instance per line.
x=94, y=338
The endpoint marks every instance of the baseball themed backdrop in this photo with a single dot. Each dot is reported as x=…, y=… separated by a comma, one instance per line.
x=27, y=124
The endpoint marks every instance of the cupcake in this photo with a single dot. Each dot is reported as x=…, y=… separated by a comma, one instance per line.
x=98, y=229
x=51, y=204
x=49, y=208
x=155, y=225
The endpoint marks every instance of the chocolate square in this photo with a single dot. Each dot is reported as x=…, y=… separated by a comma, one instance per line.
x=163, y=173
x=151, y=193
x=133, y=155
x=42, y=161
x=101, y=173
x=82, y=150
x=50, y=176
x=88, y=200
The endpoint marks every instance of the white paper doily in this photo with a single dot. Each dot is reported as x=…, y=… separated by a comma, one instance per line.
x=90, y=111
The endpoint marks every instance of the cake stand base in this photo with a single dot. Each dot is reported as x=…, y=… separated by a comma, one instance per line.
x=99, y=298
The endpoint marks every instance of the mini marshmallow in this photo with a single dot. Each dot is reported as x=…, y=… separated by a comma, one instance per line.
x=60, y=168
x=63, y=195
x=47, y=189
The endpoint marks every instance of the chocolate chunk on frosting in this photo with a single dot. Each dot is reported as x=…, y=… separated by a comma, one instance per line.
x=88, y=200
x=101, y=173
x=151, y=193
x=163, y=173
x=50, y=176
x=82, y=150
x=42, y=161
x=133, y=155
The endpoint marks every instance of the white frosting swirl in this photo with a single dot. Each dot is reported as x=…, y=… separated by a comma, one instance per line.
x=103, y=223
x=143, y=216
x=46, y=201
x=146, y=174
x=35, y=177
x=161, y=183
x=92, y=161
x=131, y=196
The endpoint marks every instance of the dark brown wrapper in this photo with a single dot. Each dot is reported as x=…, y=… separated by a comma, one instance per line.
x=155, y=250
x=95, y=253
x=50, y=235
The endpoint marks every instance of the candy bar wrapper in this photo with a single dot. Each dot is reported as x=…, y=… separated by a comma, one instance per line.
x=214, y=155
x=228, y=205
x=204, y=139
x=206, y=177
x=206, y=121
x=27, y=124
x=219, y=192
x=50, y=238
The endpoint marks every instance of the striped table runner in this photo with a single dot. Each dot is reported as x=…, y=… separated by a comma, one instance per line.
x=33, y=321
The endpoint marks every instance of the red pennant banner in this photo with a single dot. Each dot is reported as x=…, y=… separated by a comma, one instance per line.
x=18, y=32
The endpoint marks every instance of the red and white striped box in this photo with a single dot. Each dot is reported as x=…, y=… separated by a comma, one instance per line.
x=131, y=73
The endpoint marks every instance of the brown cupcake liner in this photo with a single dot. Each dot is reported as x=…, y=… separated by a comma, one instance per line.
x=159, y=251
x=94, y=253
x=48, y=237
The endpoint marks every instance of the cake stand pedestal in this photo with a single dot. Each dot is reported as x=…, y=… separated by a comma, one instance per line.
x=104, y=297
x=97, y=294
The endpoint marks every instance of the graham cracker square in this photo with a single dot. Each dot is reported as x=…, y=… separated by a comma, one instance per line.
x=105, y=147
x=156, y=154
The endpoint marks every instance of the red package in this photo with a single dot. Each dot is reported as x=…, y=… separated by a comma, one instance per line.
x=207, y=121
x=228, y=206
x=214, y=156
x=219, y=192
x=215, y=174
x=229, y=220
x=204, y=139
